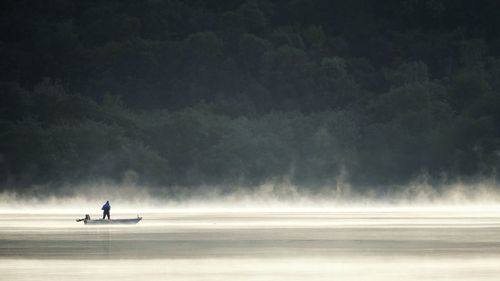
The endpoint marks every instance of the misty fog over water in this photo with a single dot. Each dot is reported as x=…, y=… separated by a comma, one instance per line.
x=355, y=244
x=275, y=232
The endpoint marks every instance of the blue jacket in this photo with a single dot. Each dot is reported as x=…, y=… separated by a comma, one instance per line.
x=106, y=207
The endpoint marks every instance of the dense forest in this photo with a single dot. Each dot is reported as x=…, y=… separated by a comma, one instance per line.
x=177, y=93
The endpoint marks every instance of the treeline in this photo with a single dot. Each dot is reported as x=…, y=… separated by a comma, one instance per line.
x=238, y=93
x=50, y=137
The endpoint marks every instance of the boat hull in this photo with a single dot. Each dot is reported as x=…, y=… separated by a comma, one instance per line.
x=115, y=221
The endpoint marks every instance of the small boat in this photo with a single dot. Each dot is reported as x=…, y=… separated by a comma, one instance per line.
x=88, y=220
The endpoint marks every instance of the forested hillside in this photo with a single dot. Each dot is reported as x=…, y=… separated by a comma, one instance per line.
x=238, y=93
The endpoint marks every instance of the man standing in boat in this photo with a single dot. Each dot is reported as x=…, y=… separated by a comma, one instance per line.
x=105, y=210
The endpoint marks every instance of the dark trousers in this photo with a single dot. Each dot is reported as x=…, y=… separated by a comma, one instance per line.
x=105, y=213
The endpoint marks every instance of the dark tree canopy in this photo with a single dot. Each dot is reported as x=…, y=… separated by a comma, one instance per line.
x=238, y=93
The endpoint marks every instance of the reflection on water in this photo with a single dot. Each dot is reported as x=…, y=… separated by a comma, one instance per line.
x=357, y=245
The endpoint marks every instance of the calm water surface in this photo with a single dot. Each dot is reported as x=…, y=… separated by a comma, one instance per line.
x=348, y=245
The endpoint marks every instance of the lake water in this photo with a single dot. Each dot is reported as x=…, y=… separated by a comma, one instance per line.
x=397, y=244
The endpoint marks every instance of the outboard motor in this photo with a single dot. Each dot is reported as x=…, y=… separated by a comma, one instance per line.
x=87, y=218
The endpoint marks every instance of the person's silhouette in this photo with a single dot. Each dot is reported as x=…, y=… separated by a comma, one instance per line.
x=105, y=210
